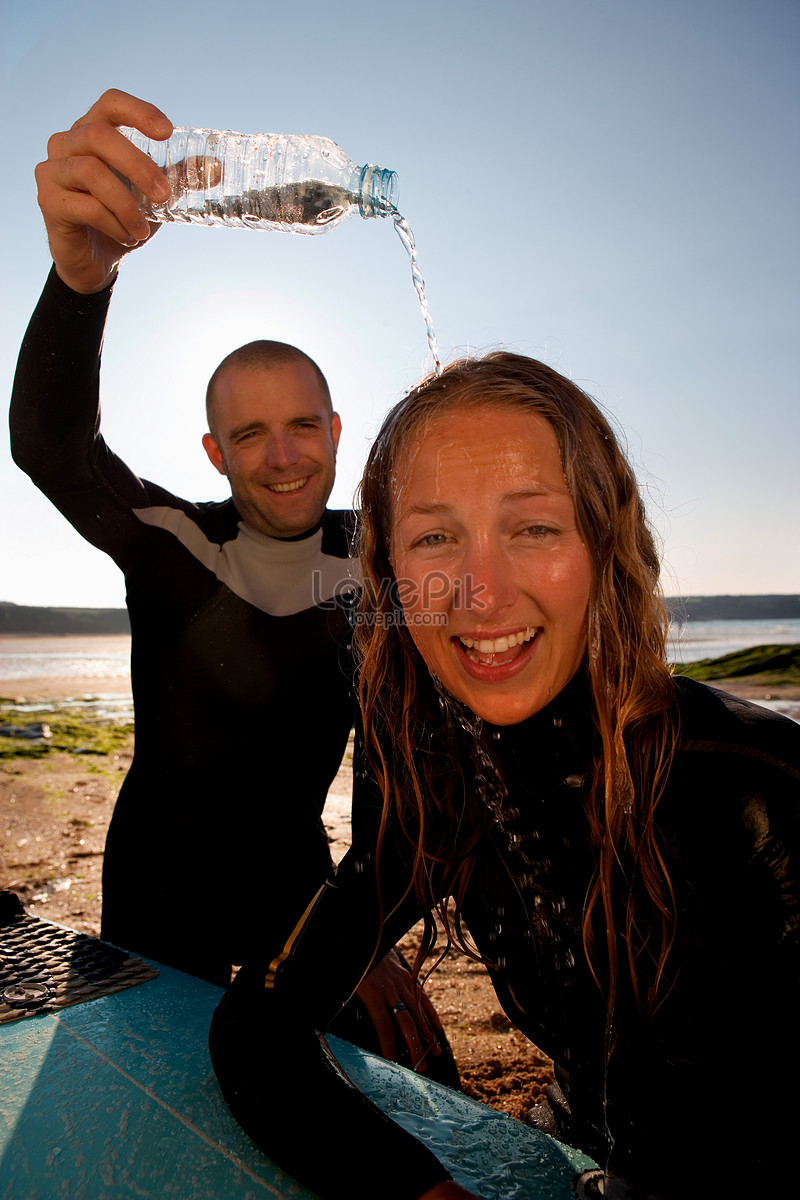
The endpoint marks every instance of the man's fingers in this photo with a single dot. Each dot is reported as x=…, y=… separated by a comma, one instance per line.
x=121, y=108
x=91, y=215
x=195, y=174
x=90, y=146
x=78, y=192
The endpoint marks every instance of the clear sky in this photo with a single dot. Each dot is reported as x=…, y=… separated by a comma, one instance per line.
x=609, y=185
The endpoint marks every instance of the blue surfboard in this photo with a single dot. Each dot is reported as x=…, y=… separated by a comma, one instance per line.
x=115, y=1098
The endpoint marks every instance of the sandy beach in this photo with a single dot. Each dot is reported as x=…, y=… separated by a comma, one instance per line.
x=54, y=813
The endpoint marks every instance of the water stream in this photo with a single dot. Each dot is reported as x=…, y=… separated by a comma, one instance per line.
x=407, y=238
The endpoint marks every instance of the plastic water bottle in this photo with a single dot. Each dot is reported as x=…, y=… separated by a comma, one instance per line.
x=301, y=184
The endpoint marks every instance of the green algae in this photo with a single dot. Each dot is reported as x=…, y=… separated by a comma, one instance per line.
x=761, y=666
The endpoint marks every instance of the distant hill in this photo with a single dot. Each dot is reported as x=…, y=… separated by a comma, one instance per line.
x=763, y=665
x=733, y=608
x=19, y=618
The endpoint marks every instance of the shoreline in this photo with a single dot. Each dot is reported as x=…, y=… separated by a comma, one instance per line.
x=30, y=689
x=79, y=688
x=76, y=679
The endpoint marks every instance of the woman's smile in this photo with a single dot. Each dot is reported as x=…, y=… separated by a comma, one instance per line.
x=484, y=536
x=498, y=657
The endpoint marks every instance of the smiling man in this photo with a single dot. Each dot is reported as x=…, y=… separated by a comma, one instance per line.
x=274, y=434
x=241, y=681
x=242, y=692
x=240, y=664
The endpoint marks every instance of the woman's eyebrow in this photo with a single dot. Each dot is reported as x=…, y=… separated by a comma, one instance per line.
x=425, y=510
x=442, y=507
x=533, y=493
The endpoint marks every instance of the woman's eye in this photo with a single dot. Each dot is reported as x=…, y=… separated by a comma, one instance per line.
x=539, y=532
x=431, y=539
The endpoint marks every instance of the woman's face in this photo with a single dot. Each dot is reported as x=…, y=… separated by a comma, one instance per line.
x=493, y=576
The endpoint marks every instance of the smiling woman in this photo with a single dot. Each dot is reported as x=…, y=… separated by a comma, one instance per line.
x=482, y=502
x=620, y=844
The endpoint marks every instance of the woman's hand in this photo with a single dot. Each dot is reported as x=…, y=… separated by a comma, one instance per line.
x=92, y=219
x=448, y=1191
x=396, y=1003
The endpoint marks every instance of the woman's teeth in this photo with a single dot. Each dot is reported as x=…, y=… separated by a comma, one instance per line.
x=497, y=645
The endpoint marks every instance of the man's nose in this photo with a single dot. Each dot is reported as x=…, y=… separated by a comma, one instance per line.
x=282, y=451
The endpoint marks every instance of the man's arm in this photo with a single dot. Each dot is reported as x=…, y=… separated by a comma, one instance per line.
x=92, y=219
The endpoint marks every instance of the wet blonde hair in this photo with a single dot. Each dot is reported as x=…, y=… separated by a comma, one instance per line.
x=631, y=686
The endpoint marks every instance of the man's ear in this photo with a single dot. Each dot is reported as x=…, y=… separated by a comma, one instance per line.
x=214, y=453
x=336, y=430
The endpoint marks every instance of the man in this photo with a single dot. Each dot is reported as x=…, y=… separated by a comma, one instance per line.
x=241, y=684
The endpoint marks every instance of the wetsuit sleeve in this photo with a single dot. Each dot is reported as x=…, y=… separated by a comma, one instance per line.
x=55, y=422
x=277, y=1075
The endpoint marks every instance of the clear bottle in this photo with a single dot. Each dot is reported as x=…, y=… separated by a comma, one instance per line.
x=292, y=182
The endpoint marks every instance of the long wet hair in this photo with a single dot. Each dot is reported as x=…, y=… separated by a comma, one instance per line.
x=414, y=746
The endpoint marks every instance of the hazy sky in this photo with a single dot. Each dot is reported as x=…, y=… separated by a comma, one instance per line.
x=609, y=185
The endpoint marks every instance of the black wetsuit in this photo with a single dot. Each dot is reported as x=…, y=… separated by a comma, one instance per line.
x=241, y=679
x=702, y=1101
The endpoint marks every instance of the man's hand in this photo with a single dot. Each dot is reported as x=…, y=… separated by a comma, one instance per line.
x=396, y=1003
x=92, y=218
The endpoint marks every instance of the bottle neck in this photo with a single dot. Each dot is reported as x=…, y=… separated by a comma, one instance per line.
x=377, y=191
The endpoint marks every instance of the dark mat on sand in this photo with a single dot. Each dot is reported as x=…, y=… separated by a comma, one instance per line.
x=44, y=967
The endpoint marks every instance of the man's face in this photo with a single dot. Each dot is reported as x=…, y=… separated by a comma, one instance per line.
x=276, y=442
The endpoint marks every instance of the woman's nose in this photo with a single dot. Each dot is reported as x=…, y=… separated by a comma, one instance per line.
x=486, y=584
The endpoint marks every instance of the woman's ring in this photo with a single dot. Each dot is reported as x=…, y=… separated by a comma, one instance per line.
x=400, y=1007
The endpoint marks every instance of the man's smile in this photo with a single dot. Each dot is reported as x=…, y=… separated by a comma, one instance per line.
x=293, y=486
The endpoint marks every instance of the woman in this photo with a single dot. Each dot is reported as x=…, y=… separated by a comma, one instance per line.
x=622, y=846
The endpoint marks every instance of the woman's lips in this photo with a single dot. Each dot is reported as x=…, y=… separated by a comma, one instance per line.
x=498, y=658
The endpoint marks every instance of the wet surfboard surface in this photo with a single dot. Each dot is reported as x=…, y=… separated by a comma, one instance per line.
x=116, y=1097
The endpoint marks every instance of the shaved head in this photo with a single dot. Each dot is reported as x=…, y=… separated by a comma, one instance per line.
x=261, y=356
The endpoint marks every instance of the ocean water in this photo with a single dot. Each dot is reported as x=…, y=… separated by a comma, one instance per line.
x=92, y=670
x=101, y=657
x=103, y=661
x=693, y=640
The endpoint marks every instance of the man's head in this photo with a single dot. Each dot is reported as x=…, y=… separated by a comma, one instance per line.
x=273, y=433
